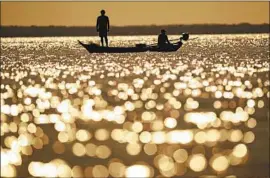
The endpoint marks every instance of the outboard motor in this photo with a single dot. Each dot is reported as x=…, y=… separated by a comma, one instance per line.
x=185, y=36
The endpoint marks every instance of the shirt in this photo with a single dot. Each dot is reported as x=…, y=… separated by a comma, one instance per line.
x=162, y=39
x=103, y=23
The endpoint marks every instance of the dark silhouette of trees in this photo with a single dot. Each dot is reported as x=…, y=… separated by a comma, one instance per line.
x=32, y=31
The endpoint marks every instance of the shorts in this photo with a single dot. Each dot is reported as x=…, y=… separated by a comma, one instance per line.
x=103, y=33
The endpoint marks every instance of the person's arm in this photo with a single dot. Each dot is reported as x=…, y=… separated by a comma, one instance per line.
x=167, y=40
x=108, y=24
x=97, y=25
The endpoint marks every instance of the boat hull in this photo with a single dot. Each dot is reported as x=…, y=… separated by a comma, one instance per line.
x=97, y=49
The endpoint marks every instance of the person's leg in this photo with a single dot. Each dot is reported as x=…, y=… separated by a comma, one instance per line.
x=106, y=40
x=101, y=39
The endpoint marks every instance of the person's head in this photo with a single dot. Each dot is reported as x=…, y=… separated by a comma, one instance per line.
x=102, y=12
x=163, y=31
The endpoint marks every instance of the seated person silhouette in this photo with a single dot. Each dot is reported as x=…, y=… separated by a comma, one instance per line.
x=103, y=26
x=163, y=41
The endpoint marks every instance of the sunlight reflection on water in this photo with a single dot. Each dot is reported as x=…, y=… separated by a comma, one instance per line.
x=147, y=114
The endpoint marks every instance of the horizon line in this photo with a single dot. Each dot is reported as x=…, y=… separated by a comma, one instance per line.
x=151, y=25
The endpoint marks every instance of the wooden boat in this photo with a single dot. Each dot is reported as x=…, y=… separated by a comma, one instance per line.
x=94, y=48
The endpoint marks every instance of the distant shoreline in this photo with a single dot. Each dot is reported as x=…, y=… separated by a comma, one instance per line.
x=48, y=31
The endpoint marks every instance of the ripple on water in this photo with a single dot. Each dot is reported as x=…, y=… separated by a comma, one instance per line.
x=147, y=114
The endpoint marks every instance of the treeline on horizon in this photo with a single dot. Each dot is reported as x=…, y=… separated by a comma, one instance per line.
x=38, y=31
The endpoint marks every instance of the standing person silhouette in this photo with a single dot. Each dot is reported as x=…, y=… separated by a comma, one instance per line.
x=103, y=26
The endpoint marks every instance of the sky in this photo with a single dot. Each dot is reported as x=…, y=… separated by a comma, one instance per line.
x=133, y=13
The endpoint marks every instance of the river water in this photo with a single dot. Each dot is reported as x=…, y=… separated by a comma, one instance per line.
x=200, y=111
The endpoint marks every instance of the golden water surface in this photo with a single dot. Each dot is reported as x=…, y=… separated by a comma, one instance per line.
x=200, y=111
